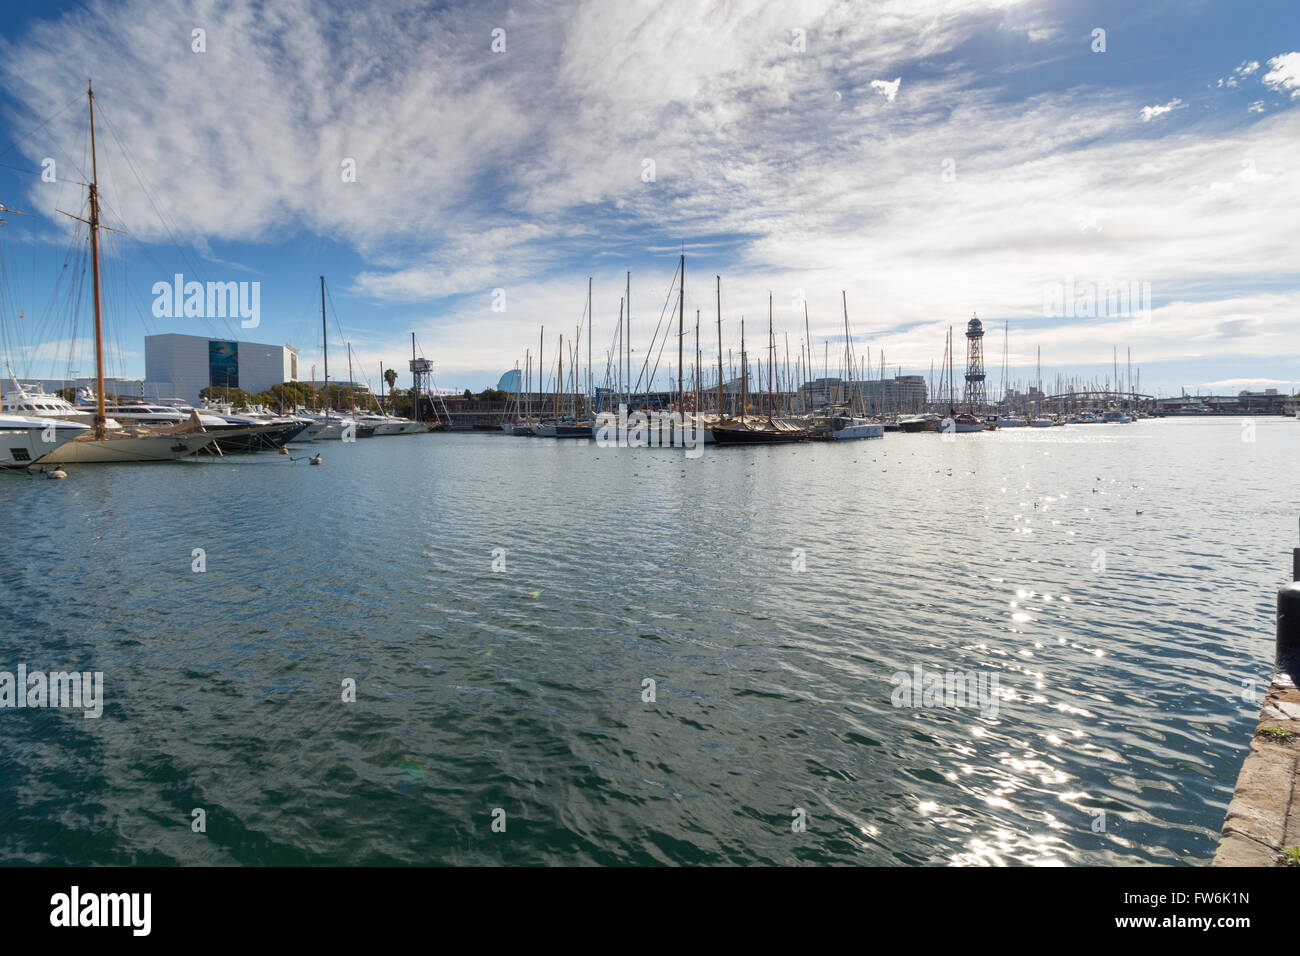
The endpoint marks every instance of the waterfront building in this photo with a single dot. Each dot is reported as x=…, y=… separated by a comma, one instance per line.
x=181, y=366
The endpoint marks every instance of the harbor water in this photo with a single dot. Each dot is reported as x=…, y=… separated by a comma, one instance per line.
x=503, y=605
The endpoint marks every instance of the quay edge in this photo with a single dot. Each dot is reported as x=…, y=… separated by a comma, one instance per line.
x=1263, y=819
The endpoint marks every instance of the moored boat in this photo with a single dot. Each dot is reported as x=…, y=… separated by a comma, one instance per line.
x=25, y=441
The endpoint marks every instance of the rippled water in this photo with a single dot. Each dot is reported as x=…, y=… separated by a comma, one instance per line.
x=1119, y=581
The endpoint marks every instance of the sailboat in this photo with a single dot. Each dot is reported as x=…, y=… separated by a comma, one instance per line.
x=337, y=427
x=848, y=427
x=105, y=443
x=962, y=422
x=751, y=431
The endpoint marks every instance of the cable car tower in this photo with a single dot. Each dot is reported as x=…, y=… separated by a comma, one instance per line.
x=974, y=398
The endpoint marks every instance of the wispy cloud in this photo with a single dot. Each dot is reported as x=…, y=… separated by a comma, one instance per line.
x=606, y=134
x=1284, y=74
x=1151, y=112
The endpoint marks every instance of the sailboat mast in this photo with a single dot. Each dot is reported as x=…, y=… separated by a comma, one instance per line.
x=629, y=337
x=848, y=355
x=559, y=374
x=681, y=322
x=589, y=318
x=325, y=346
x=415, y=381
x=719, y=278
x=101, y=417
x=771, y=357
x=352, y=393
x=699, y=372
x=744, y=372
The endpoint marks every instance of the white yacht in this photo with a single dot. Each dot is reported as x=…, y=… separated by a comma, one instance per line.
x=25, y=441
x=845, y=428
x=389, y=425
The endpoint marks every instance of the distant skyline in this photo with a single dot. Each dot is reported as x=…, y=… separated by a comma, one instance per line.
x=459, y=170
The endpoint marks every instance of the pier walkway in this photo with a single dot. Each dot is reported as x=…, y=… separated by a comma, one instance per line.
x=1262, y=827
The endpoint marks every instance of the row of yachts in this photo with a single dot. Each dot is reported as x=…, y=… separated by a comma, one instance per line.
x=828, y=424
x=38, y=429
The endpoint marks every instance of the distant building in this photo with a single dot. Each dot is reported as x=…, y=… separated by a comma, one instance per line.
x=509, y=382
x=903, y=393
x=184, y=365
x=1268, y=402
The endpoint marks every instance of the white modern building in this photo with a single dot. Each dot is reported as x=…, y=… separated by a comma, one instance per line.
x=186, y=364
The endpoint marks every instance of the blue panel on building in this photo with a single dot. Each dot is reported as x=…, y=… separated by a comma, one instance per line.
x=223, y=364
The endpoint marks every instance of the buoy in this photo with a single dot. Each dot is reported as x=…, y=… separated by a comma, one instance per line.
x=56, y=473
x=317, y=460
x=284, y=451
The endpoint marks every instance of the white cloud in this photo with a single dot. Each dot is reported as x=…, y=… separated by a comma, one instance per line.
x=1150, y=112
x=887, y=89
x=1284, y=74
x=478, y=170
x=1234, y=385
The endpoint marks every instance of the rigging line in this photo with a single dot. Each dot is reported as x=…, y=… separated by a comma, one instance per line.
x=667, y=303
x=330, y=296
x=646, y=364
x=148, y=194
x=44, y=124
x=23, y=169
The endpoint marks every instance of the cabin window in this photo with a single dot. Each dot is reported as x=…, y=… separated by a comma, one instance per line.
x=20, y=454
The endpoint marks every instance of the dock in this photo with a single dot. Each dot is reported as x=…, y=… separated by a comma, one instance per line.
x=1262, y=825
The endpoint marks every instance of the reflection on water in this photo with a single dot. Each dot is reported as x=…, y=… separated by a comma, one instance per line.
x=1118, y=580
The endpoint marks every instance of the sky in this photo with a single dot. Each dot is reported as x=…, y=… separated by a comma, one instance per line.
x=459, y=171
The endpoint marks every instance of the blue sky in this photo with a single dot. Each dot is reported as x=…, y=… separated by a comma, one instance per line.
x=931, y=159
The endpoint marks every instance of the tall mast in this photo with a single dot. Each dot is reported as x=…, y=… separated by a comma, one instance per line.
x=808, y=371
x=681, y=322
x=589, y=318
x=788, y=389
x=744, y=371
x=559, y=374
x=541, y=373
x=719, y=278
x=771, y=357
x=101, y=418
x=352, y=392
x=629, y=337
x=325, y=345
x=848, y=355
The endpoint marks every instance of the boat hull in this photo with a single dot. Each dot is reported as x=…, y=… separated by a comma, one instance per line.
x=23, y=444
x=739, y=435
x=913, y=425
x=112, y=450
x=859, y=432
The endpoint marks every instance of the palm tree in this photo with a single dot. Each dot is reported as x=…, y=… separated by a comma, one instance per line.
x=391, y=378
